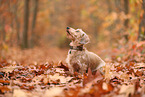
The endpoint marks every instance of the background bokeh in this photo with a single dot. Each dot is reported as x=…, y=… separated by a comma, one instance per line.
x=36, y=29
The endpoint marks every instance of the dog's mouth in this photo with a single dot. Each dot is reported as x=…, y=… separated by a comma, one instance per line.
x=68, y=28
x=68, y=32
x=69, y=35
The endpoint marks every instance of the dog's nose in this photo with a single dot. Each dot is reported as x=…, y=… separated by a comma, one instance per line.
x=67, y=27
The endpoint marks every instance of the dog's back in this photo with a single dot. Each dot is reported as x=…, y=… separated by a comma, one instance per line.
x=95, y=62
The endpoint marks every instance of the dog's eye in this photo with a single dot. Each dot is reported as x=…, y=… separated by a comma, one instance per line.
x=77, y=31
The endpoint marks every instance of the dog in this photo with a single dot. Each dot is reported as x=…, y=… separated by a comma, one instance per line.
x=79, y=59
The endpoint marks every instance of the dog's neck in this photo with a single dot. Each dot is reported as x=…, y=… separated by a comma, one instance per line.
x=74, y=45
x=78, y=48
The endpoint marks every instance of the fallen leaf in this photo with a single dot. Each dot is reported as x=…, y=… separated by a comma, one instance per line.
x=53, y=92
x=62, y=79
x=19, y=93
x=3, y=89
x=9, y=68
x=127, y=90
x=107, y=72
x=63, y=66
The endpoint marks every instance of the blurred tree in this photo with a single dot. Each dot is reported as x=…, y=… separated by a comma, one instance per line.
x=109, y=5
x=17, y=21
x=3, y=30
x=126, y=21
x=33, y=35
x=126, y=11
x=141, y=35
x=118, y=5
x=26, y=24
x=2, y=23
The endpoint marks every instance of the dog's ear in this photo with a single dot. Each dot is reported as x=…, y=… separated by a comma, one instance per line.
x=85, y=39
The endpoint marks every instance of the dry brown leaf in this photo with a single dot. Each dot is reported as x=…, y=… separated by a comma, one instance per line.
x=88, y=86
x=127, y=89
x=9, y=68
x=19, y=93
x=108, y=73
x=62, y=79
x=4, y=89
x=53, y=92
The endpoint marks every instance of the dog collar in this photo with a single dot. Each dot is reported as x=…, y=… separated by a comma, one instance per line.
x=79, y=48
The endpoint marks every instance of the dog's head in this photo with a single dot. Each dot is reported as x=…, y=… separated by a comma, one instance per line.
x=77, y=36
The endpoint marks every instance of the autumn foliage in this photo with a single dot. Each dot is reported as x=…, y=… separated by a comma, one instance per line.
x=33, y=48
x=124, y=76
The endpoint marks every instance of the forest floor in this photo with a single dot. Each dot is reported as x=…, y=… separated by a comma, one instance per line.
x=39, y=72
x=37, y=54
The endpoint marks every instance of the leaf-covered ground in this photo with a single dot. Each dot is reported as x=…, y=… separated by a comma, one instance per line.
x=124, y=77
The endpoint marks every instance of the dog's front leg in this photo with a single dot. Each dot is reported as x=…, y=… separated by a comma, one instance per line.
x=83, y=68
x=71, y=69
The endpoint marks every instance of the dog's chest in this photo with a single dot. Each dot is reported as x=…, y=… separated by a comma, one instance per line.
x=77, y=56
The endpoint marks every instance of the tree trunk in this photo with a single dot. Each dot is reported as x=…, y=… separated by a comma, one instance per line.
x=109, y=5
x=3, y=31
x=126, y=11
x=34, y=22
x=26, y=24
x=2, y=25
x=141, y=35
x=118, y=5
x=126, y=21
x=17, y=23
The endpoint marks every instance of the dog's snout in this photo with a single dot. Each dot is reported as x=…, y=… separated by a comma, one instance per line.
x=67, y=27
